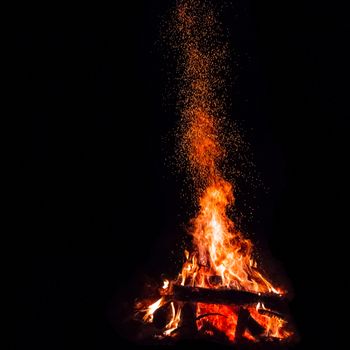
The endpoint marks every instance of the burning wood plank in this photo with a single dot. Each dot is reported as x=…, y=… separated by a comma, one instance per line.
x=227, y=297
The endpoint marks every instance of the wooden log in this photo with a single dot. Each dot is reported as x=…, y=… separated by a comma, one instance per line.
x=161, y=316
x=241, y=326
x=188, y=326
x=226, y=297
x=271, y=313
x=254, y=327
x=247, y=322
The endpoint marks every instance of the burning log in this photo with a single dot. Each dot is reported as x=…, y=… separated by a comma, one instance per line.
x=188, y=325
x=271, y=313
x=247, y=322
x=241, y=324
x=161, y=316
x=226, y=297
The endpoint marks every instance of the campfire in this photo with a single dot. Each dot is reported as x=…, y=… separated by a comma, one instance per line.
x=220, y=293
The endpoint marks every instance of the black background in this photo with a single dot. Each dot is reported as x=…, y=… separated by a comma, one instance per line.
x=99, y=208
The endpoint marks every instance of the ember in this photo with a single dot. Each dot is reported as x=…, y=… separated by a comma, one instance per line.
x=220, y=291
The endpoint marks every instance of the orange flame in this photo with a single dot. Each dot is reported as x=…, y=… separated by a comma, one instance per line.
x=221, y=250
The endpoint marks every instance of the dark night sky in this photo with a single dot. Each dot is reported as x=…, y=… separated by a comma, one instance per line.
x=99, y=208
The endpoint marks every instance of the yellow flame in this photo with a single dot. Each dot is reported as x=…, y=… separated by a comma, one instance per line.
x=148, y=317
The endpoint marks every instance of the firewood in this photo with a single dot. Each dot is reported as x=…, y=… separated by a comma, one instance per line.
x=162, y=316
x=241, y=326
x=188, y=320
x=271, y=313
x=254, y=327
x=247, y=322
x=226, y=297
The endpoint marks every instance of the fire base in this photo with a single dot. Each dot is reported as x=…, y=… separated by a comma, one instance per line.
x=201, y=313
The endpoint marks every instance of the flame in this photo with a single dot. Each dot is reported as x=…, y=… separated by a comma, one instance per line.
x=165, y=284
x=220, y=249
x=150, y=310
x=175, y=320
x=221, y=246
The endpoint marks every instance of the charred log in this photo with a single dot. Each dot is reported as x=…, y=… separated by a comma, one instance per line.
x=161, y=316
x=210, y=314
x=188, y=326
x=247, y=322
x=227, y=297
x=254, y=327
x=241, y=326
x=271, y=313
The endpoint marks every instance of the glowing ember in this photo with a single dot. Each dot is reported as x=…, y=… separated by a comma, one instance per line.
x=222, y=257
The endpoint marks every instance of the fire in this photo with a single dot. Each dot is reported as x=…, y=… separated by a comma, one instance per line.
x=222, y=257
x=221, y=246
x=222, y=317
x=149, y=311
x=175, y=320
